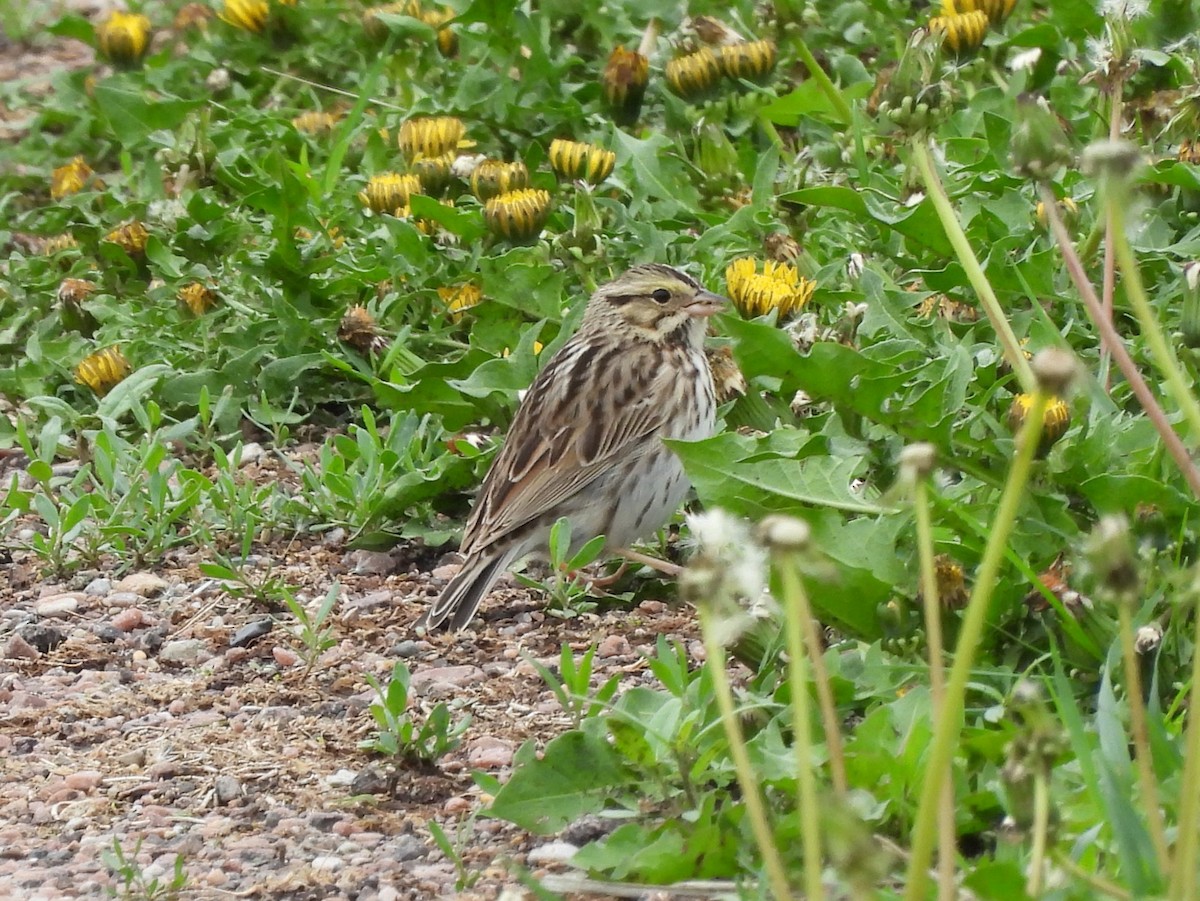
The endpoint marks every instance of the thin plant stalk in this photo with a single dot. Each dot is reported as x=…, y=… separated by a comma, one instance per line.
x=1135, y=291
x=828, y=88
x=1116, y=346
x=1141, y=738
x=1108, y=287
x=795, y=607
x=949, y=723
x=1183, y=873
x=970, y=263
x=1041, y=829
x=829, y=717
x=755, y=810
x=1103, y=886
x=947, y=846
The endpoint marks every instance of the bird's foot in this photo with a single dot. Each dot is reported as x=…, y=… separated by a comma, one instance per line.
x=666, y=567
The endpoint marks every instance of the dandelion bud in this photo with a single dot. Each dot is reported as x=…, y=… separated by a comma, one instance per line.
x=375, y=28
x=359, y=329
x=1106, y=159
x=431, y=136
x=103, y=370
x=69, y=179
x=623, y=84
x=996, y=10
x=576, y=160
x=494, y=177
x=751, y=60
x=434, y=173
x=388, y=192
x=1189, y=319
x=1111, y=551
x=517, y=215
x=1039, y=146
x=123, y=38
x=695, y=75
x=961, y=32
x=130, y=237
x=913, y=97
x=197, y=297
x=248, y=15
x=784, y=534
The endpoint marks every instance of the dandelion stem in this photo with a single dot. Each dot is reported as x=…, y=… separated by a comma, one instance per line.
x=949, y=723
x=755, y=810
x=828, y=88
x=966, y=256
x=1041, y=826
x=1116, y=346
x=1183, y=872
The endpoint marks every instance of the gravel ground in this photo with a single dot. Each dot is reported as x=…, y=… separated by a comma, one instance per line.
x=132, y=707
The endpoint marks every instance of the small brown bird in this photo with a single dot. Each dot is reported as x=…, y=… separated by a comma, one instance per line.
x=586, y=442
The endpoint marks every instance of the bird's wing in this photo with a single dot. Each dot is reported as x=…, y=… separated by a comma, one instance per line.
x=589, y=408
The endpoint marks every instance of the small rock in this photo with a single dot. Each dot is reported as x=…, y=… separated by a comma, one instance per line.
x=251, y=632
x=406, y=648
x=122, y=599
x=326, y=863
x=98, y=588
x=614, y=646
x=58, y=604
x=371, y=563
x=227, y=789
x=18, y=648
x=371, y=781
x=340, y=779
x=44, y=638
x=325, y=820
x=251, y=452
x=458, y=804
x=128, y=620
x=184, y=651
x=135, y=758
x=334, y=537
x=407, y=847
x=445, y=572
x=551, y=852
x=369, y=601
x=453, y=676
x=144, y=584
x=84, y=780
x=490, y=753
x=285, y=656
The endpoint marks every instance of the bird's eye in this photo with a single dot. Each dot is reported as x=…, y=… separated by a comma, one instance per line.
x=661, y=295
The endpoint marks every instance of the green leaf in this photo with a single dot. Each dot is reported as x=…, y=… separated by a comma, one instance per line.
x=132, y=114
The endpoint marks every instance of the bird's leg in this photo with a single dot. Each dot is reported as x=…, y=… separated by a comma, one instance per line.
x=666, y=567
x=603, y=582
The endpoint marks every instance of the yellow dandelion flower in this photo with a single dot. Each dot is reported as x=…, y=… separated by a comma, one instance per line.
x=197, y=297
x=103, y=370
x=460, y=298
x=1067, y=208
x=69, y=179
x=517, y=215
x=123, y=38
x=316, y=122
x=447, y=37
x=1055, y=421
x=751, y=60
x=623, y=84
x=996, y=10
x=58, y=243
x=694, y=75
x=778, y=287
x=494, y=177
x=573, y=159
x=249, y=15
x=431, y=136
x=130, y=237
x=961, y=32
x=388, y=192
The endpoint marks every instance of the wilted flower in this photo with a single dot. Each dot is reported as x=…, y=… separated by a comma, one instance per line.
x=316, y=122
x=123, y=38
x=389, y=191
x=359, y=329
x=69, y=179
x=781, y=247
x=996, y=10
x=447, y=37
x=751, y=60
x=912, y=95
x=961, y=32
x=1055, y=421
x=434, y=173
x=494, y=177
x=726, y=374
x=375, y=29
x=103, y=370
x=947, y=308
x=130, y=237
x=623, y=84
x=74, y=291
x=694, y=75
x=1189, y=152
x=460, y=298
x=951, y=582
x=517, y=215
x=192, y=15
x=574, y=159
x=778, y=287
x=712, y=30
x=197, y=297
x=58, y=243
x=431, y=136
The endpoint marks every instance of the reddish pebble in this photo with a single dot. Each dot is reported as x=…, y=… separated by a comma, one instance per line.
x=489, y=753
x=129, y=619
x=652, y=608
x=458, y=804
x=84, y=780
x=614, y=646
x=285, y=656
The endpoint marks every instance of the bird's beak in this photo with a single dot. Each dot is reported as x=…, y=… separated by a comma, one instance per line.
x=706, y=304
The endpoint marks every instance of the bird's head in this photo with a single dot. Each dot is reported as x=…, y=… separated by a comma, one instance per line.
x=656, y=302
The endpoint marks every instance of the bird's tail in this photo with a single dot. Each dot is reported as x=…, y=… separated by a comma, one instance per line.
x=461, y=598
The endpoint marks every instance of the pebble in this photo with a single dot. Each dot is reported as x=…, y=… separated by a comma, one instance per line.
x=458, y=804
x=143, y=584
x=551, y=852
x=98, y=587
x=17, y=648
x=406, y=648
x=453, y=676
x=369, y=601
x=122, y=599
x=251, y=452
x=407, y=847
x=129, y=619
x=371, y=563
x=251, y=632
x=285, y=656
x=614, y=646
x=489, y=753
x=84, y=780
x=326, y=863
x=227, y=789
x=58, y=604
x=185, y=651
